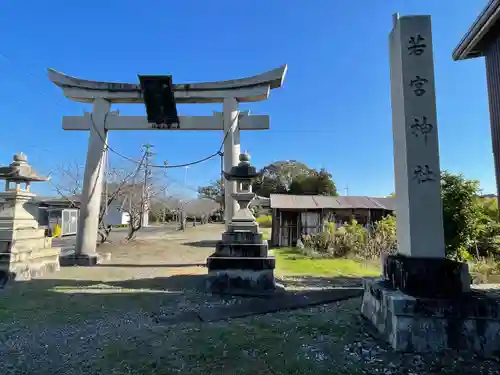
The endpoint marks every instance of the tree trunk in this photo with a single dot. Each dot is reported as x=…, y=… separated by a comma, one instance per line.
x=133, y=227
x=104, y=233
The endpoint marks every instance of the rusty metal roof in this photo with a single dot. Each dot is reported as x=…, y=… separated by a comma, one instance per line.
x=321, y=201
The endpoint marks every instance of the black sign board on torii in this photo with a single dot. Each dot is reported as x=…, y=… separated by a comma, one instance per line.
x=159, y=99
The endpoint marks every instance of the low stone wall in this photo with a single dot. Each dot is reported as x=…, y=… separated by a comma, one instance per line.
x=412, y=324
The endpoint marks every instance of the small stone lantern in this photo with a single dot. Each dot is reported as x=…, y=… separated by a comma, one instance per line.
x=25, y=250
x=240, y=264
x=19, y=210
x=19, y=172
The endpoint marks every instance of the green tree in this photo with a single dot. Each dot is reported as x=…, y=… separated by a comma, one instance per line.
x=489, y=206
x=293, y=177
x=317, y=183
x=213, y=191
x=277, y=177
x=463, y=218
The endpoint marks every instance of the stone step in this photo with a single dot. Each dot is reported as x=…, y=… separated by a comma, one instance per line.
x=216, y=263
x=242, y=237
x=241, y=250
x=43, y=253
x=243, y=227
x=33, y=243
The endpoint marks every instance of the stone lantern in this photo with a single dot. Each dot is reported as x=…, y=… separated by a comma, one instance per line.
x=19, y=211
x=240, y=264
x=25, y=251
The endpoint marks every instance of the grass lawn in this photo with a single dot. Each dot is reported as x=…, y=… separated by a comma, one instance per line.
x=290, y=262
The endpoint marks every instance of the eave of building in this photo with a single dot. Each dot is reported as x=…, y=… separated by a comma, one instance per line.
x=316, y=202
x=471, y=44
x=249, y=89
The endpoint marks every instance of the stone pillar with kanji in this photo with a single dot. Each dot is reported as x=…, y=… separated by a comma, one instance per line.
x=241, y=264
x=25, y=250
x=423, y=301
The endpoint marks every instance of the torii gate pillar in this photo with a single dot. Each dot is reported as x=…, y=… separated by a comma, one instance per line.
x=231, y=155
x=85, y=252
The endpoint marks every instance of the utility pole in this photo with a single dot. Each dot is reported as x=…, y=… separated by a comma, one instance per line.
x=165, y=194
x=347, y=190
x=186, y=175
x=148, y=155
x=222, y=201
x=165, y=163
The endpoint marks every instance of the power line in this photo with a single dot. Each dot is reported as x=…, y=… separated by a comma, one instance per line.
x=107, y=147
x=165, y=166
x=211, y=156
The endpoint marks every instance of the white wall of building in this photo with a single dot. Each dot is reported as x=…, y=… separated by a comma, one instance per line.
x=115, y=216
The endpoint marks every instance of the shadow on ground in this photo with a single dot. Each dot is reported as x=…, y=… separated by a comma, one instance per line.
x=205, y=243
x=66, y=301
x=322, y=282
x=118, y=265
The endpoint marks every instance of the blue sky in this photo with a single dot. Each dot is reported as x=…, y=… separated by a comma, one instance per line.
x=333, y=110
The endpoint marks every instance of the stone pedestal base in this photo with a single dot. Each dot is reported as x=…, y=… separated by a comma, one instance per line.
x=44, y=261
x=250, y=276
x=84, y=260
x=415, y=324
x=24, y=265
x=427, y=277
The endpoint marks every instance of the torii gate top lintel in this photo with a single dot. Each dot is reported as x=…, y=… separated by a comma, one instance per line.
x=249, y=89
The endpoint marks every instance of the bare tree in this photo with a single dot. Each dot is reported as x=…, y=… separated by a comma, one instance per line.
x=69, y=181
x=136, y=203
x=116, y=187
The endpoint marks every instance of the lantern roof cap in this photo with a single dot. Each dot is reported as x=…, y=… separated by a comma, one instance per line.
x=243, y=171
x=20, y=171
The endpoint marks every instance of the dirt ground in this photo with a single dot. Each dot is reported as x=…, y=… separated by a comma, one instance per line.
x=160, y=254
x=110, y=319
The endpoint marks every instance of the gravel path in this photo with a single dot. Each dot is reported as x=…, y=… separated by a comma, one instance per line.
x=168, y=263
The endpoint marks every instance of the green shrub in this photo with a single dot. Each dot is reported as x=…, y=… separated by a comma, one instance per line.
x=330, y=227
x=320, y=242
x=354, y=240
x=265, y=221
x=488, y=243
x=351, y=239
x=382, y=239
x=356, y=230
x=482, y=269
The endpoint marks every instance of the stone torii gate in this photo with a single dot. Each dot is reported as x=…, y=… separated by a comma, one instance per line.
x=103, y=94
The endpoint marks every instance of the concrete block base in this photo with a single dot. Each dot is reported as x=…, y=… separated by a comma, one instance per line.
x=243, y=283
x=416, y=324
x=242, y=276
x=84, y=260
